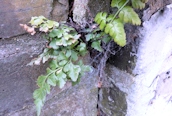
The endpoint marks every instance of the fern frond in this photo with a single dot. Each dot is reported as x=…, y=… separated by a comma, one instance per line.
x=118, y=3
x=101, y=19
x=128, y=15
x=116, y=30
x=138, y=4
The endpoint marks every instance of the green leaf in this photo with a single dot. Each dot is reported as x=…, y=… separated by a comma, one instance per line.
x=74, y=72
x=110, y=17
x=81, y=47
x=66, y=28
x=61, y=79
x=53, y=44
x=68, y=53
x=76, y=36
x=53, y=33
x=42, y=17
x=118, y=3
x=56, y=33
x=128, y=15
x=52, y=79
x=61, y=56
x=56, y=24
x=62, y=41
x=67, y=36
x=41, y=80
x=96, y=45
x=39, y=94
x=74, y=56
x=61, y=82
x=67, y=67
x=116, y=31
x=101, y=19
x=47, y=88
x=43, y=28
x=83, y=53
x=53, y=64
x=102, y=25
x=86, y=68
x=138, y=4
x=106, y=39
x=114, y=3
x=89, y=37
x=55, y=52
x=39, y=105
x=36, y=21
x=63, y=62
x=49, y=71
x=50, y=24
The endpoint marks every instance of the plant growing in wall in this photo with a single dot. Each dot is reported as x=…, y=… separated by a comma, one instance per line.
x=64, y=46
x=113, y=24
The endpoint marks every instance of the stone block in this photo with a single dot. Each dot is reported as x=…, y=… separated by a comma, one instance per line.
x=13, y=13
x=85, y=10
x=18, y=82
x=60, y=10
x=112, y=101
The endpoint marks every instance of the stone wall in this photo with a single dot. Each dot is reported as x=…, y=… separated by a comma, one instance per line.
x=21, y=11
x=18, y=81
x=139, y=76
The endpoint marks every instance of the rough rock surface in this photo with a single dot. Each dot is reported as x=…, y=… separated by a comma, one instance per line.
x=18, y=83
x=13, y=13
x=154, y=6
x=112, y=101
x=18, y=80
x=148, y=89
x=85, y=10
x=60, y=10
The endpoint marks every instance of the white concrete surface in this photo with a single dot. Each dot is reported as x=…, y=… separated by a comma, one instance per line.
x=154, y=58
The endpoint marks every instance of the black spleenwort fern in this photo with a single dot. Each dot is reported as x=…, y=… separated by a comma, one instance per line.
x=63, y=49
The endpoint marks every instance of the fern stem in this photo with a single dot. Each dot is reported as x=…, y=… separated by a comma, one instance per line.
x=119, y=10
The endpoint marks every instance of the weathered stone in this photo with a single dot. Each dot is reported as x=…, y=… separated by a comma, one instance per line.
x=16, y=12
x=96, y=6
x=18, y=82
x=146, y=88
x=60, y=10
x=154, y=6
x=79, y=100
x=85, y=10
x=112, y=101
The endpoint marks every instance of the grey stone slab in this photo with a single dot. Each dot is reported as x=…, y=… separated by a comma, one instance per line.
x=18, y=81
x=13, y=13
